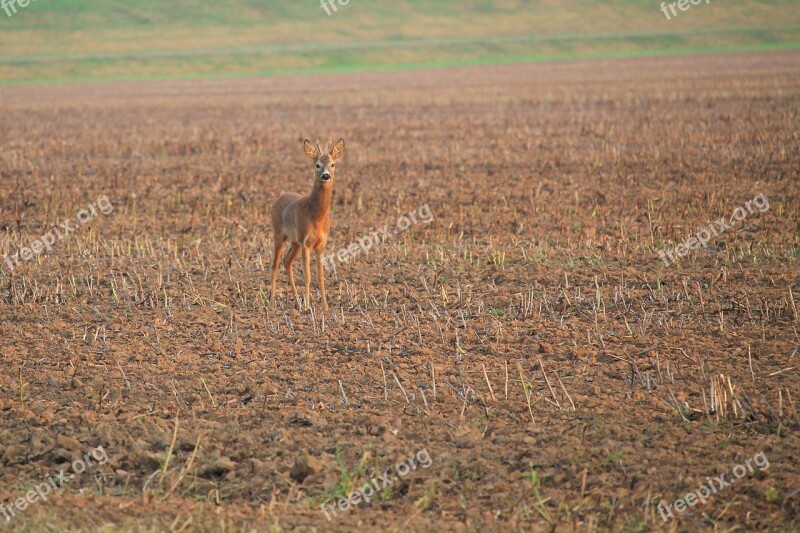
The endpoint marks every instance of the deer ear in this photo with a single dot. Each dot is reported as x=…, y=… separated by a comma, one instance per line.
x=310, y=149
x=338, y=149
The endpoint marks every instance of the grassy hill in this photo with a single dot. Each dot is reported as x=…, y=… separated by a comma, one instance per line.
x=70, y=40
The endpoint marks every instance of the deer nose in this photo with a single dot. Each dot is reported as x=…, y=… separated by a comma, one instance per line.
x=325, y=177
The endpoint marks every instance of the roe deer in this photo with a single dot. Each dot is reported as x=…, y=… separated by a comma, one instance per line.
x=305, y=222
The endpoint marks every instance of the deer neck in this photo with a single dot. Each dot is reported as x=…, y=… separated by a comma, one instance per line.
x=320, y=199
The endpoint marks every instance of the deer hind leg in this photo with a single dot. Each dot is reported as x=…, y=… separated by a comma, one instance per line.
x=307, y=272
x=279, y=244
x=321, y=274
x=291, y=255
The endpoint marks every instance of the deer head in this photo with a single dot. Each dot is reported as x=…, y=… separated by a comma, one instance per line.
x=324, y=163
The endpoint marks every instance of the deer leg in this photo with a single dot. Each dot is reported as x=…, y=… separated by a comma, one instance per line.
x=287, y=263
x=307, y=272
x=278, y=249
x=321, y=274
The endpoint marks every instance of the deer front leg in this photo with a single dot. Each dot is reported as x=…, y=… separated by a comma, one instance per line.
x=307, y=272
x=321, y=274
x=287, y=263
x=275, y=261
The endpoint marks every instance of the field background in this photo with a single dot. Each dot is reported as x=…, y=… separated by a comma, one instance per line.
x=103, y=39
x=559, y=375
x=554, y=187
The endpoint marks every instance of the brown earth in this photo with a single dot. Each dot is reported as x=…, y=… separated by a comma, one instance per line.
x=553, y=188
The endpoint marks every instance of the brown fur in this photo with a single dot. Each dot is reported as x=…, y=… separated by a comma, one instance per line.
x=305, y=221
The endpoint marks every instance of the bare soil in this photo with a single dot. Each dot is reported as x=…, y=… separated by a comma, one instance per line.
x=529, y=338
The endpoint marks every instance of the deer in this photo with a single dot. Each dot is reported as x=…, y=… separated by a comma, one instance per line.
x=305, y=221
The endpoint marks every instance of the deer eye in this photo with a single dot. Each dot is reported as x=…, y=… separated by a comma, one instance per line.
x=318, y=166
x=333, y=166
